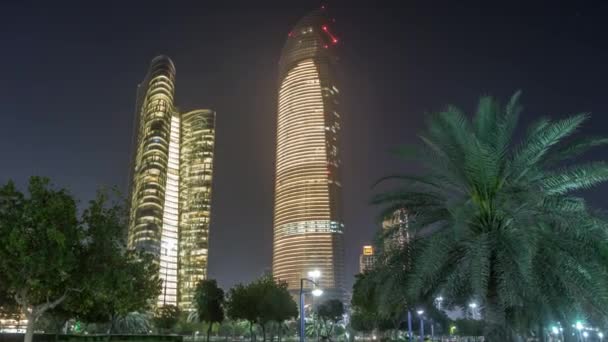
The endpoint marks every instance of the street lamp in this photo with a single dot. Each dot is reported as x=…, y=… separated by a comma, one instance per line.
x=420, y=312
x=315, y=292
x=438, y=300
x=473, y=306
x=410, y=335
x=600, y=335
x=314, y=274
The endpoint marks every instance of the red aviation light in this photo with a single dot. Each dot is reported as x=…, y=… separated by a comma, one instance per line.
x=333, y=38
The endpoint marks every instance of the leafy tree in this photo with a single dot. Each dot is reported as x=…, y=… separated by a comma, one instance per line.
x=362, y=322
x=330, y=313
x=275, y=303
x=497, y=221
x=209, y=302
x=261, y=302
x=118, y=282
x=40, y=247
x=48, y=257
x=166, y=317
x=365, y=304
x=189, y=324
x=241, y=305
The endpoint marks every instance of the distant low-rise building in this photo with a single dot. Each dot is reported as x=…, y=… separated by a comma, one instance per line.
x=367, y=259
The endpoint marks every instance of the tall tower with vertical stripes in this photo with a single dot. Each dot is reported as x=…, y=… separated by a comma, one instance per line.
x=308, y=224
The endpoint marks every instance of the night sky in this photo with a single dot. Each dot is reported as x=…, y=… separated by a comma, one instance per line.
x=70, y=71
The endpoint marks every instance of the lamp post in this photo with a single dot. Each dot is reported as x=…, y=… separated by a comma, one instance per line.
x=438, y=302
x=409, y=325
x=473, y=306
x=420, y=312
x=314, y=275
x=579, y=328
x=315, y=292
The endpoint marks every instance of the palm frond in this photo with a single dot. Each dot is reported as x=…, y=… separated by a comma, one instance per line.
x=575, y=149
x=575, y=178
x=543, y=138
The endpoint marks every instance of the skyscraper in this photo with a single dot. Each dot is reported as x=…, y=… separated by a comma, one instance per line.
x=367, y=259
x=171, y=184
x=308, y=225
x=396, y=229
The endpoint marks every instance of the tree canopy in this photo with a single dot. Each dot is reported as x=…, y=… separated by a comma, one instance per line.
x=330, y=313
x=50, y=257
x=499, y=221
x=166, y=317
x=261, y=302
x=209, y=303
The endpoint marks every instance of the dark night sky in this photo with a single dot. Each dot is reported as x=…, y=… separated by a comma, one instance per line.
x=70, y=70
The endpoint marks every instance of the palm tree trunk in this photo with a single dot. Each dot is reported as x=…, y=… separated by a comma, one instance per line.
x=540, y=332
x=251, y=335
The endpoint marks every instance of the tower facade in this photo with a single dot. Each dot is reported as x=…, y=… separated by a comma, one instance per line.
x=396, y=229
x=367, y=259
x=171, y=184
x=308, y=225
x=196, y=175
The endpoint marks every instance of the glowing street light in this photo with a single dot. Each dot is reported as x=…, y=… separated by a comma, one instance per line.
x=579, y=325
x=473, y=306
x=585, y=334
x=420, y=312
x=314, y=274
x=315, y=292
x=555, y=330
x=600, y=335
x=438, y=300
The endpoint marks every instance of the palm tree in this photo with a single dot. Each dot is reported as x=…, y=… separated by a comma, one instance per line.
x=500, y=222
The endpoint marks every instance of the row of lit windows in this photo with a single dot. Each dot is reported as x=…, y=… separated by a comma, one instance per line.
x=306, y=234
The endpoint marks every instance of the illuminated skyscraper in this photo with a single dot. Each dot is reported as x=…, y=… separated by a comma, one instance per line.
x=196, y=175
x=308, y=225
x=171, y=184
x=367, y=259
x=396, y=229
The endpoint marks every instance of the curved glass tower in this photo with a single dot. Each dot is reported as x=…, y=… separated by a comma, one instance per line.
x=308, y=225
x=154, y=209
x=196, y=172
x=171, y=184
